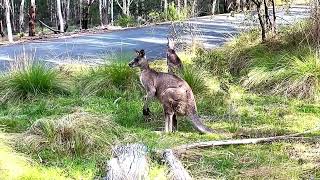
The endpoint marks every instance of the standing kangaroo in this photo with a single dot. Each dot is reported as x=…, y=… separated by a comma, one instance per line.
x=174, y=94
x=173, y=61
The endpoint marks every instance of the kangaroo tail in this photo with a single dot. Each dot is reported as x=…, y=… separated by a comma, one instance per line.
x=199, y=126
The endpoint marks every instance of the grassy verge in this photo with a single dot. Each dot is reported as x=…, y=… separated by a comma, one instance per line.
x=70, y=135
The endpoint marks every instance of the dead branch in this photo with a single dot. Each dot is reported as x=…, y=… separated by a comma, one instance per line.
x=177, y=171
x=50, y=28
x=183, y=148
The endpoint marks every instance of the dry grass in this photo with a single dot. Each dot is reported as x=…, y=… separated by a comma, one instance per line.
x=78, y=133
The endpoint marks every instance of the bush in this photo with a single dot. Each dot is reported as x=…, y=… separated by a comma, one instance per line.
x=174, y=15
x=125, y=21
x=300, y=78
x=31, y=80
x=195, y=78
x=215, y=61
x=115, y=77
x=75, y=134
x=155, y=17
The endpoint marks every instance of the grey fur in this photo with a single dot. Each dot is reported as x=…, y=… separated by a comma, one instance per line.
x=173, y=61
x=174, y=94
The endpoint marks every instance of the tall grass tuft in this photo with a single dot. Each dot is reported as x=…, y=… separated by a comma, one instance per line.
x=115, y=77
x=75, y=134
x=25, y=82
x=195, y=78
x=299, y=77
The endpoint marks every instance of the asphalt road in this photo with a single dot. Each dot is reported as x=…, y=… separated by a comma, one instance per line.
x=211, y=31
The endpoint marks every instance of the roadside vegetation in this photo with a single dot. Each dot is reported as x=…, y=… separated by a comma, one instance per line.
x=63, y=124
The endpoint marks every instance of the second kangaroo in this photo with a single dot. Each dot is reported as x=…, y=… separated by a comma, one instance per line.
x=173, y=61
x=173, y=92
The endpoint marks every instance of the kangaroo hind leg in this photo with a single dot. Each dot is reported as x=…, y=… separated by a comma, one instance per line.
x=174, y=123
x=169, y=122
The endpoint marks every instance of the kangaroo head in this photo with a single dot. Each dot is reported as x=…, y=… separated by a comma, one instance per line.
x=170, y=43
x=140, y=60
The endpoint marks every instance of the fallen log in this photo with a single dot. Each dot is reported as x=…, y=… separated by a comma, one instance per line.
x=177, y=171
x=129, y=162
x=50, y=28
x=183, y=148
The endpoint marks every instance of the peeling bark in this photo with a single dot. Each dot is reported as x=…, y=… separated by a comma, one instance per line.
x=32, y=18
x=177, y=171
x=128, y=162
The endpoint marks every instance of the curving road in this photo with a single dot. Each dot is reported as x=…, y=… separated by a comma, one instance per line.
x=211, y=31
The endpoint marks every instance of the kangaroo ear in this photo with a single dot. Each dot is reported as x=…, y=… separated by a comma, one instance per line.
x=137, y=52
x=170, y=43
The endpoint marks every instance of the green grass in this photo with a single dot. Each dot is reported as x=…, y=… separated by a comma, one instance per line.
x=31, y=80
x=195, y=77
x=50, y=134
x=116, y=77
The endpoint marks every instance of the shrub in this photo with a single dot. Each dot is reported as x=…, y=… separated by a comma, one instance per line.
x=115, y=77
x=215, y=61
x=77, y=134
x=300, y=78
x=155, y=17
x=31, y=80
x=195, y=78
x=125, y=21
x=174, y=15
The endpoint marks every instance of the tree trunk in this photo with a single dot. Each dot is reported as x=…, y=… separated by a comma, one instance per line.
x=213, y=10
x=262, y=24
x=13, y=14
x=112, y=18
x=166, y=8
x=266, y=14
x=273, y=24
x=21, y=16
x=179, y=6
x=124, y=7
x=32, y=18
x=105, y=12
x=128, y=7
x=1, y=28
x=67, y=17
x=8, y=20
x=128, y=162
x=61, y=24
x=100, y=12
x=193, y=8
x=185, y=4
x=80, y=14
x=85, y=14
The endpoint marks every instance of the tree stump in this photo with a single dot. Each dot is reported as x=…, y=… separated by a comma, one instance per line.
x=129, y=162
